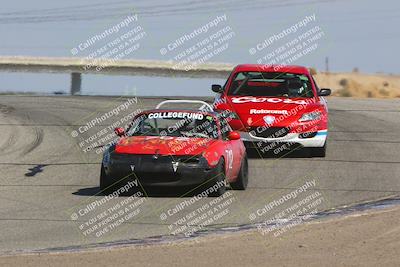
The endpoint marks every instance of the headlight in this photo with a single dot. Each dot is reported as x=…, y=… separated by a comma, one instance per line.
x=312, y=116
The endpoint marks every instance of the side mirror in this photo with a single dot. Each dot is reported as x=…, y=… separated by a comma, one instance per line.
x=216, y=88
x=119, y=131
x=233, y=136
x=324, y=92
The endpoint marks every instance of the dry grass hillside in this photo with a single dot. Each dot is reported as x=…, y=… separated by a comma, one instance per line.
x=360, y=85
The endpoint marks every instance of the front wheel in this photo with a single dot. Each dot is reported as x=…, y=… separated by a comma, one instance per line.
x=243, y=176
x=218, y=180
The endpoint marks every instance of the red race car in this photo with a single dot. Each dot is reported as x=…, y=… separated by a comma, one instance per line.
x=177, y=147
x=276, y=108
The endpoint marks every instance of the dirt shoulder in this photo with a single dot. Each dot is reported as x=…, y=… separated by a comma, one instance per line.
x=366, y=239
x=360, y=85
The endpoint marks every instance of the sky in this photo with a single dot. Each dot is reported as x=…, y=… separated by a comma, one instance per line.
x=361, y=34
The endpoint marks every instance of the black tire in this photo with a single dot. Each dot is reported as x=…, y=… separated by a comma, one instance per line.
x=218, y=177
x=319, y=152
x=105, y=184
x=243, y=176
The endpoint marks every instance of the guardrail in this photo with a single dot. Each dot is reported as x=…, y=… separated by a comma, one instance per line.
x=78, y=66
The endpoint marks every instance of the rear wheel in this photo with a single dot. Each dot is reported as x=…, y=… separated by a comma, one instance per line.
x=105, y=184
x=243, y=176
x=319, y=152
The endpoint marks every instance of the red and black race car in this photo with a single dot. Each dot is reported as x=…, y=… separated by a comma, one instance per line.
x=177, y=147
x=276, y=107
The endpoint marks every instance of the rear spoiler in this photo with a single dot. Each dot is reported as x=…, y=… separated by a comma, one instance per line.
x=204, y=105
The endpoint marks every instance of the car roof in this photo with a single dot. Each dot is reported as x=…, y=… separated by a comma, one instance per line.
x=272, y=68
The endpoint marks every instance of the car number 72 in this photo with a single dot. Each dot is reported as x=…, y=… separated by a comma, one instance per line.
x=229, y=158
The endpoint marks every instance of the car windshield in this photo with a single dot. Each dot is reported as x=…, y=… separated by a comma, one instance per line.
x=175, y=123
x=273, y=84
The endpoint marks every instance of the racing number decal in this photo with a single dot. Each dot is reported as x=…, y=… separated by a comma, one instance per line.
x=229, y=158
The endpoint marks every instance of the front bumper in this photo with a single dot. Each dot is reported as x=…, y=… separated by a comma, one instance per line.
x=161, y=171
x=291, y=138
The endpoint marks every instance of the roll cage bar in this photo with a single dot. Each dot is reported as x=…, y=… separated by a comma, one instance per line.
x=204, y=105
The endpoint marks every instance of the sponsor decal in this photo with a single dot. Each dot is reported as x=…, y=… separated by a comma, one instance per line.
x=229, y=153
x=247, y=99
x=176, y=115
x=269, y=119
x=210, y=118
x=267, y=111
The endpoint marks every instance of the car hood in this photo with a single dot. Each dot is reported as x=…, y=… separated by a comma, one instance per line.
x=162, y=145
x=275, y=111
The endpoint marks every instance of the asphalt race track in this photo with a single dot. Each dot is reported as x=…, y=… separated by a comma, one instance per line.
x=47, y=179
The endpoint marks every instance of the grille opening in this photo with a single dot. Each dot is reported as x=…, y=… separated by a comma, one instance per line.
x=146, y=177
x=307, y=135
x=189, y=160
x=269, y=132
